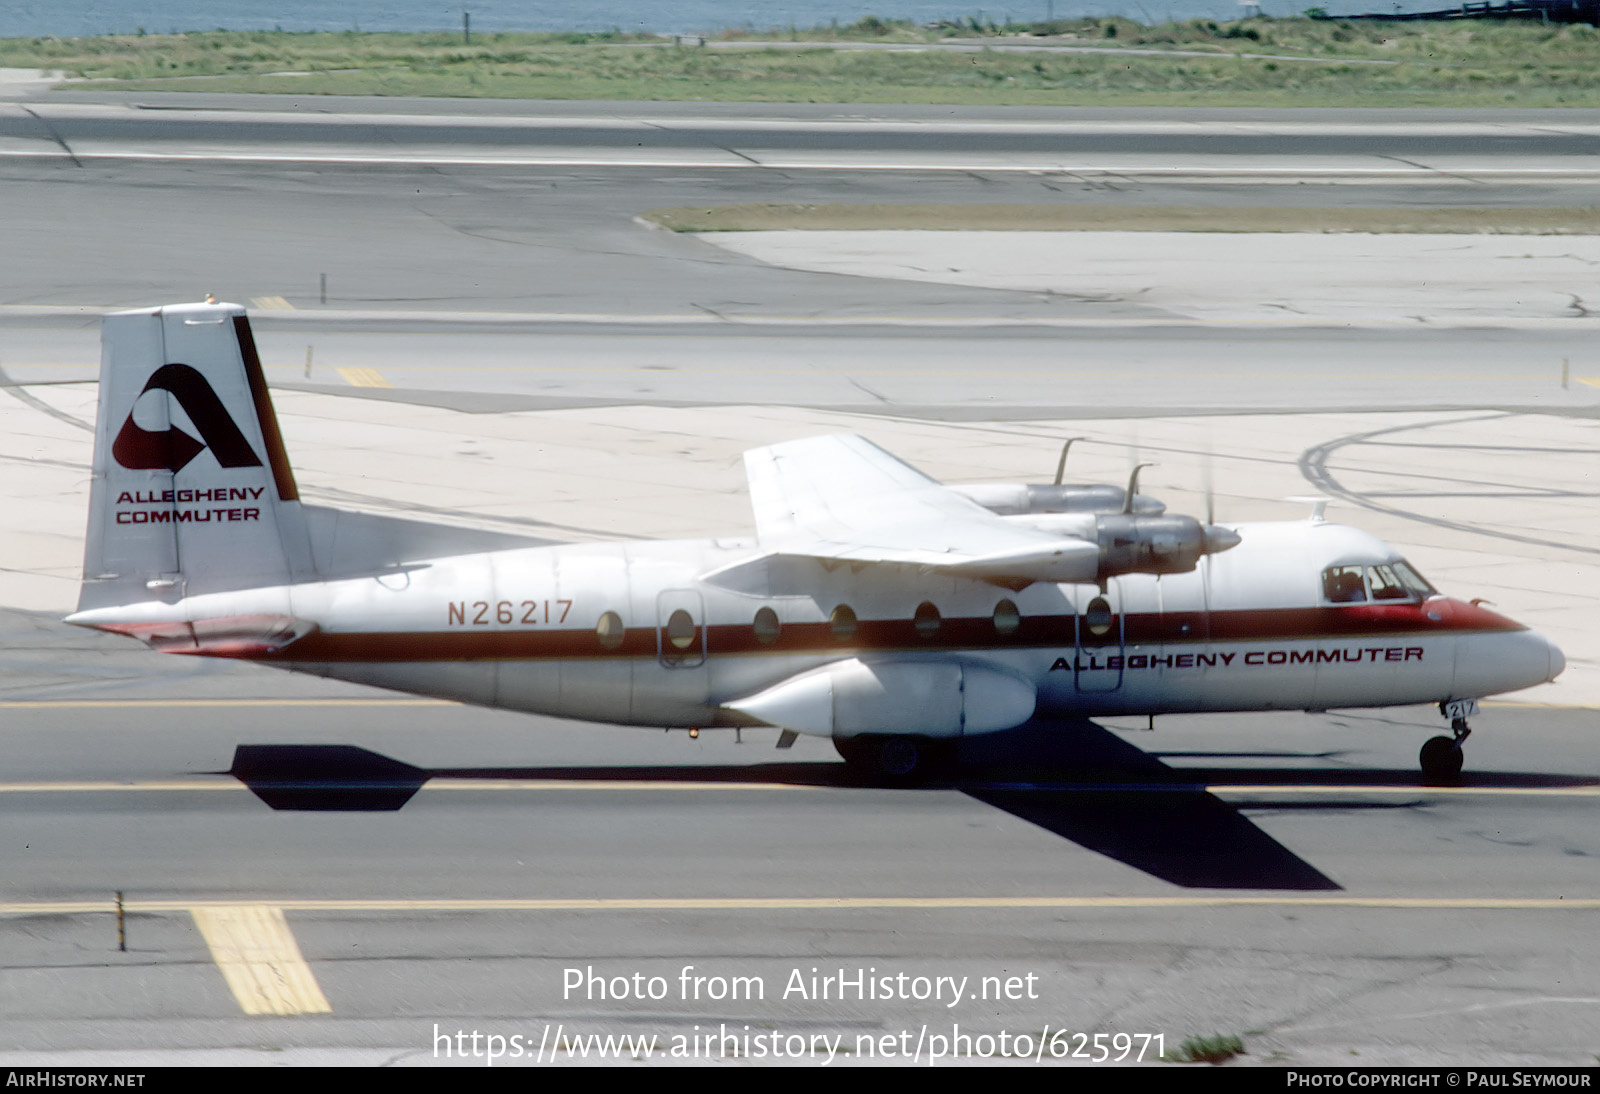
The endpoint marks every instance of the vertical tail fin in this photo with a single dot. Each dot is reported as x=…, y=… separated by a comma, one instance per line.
x=192, y=492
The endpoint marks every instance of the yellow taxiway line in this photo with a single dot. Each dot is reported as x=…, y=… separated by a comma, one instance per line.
x=208, y=783
x=256, y=952
x=91, y=704
x=363, y=377
x=835, y=903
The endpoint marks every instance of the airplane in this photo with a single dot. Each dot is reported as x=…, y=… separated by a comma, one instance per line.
x=874, y=605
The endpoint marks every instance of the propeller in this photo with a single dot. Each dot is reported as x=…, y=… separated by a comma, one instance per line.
x=1133, y=485
x=1218, y=538
x=1061, y=464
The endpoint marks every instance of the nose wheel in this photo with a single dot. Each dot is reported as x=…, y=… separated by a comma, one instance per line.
x=1441, y=757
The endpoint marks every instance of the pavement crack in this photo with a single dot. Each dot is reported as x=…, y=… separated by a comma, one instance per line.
x=1432, y=170
x=751, y=160
x=1294, y=1022
x=55, y=136
x=858, y=385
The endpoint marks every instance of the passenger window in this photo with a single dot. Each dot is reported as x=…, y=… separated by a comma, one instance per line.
x=1385, y=585
x=1343, y=585
x=766, y=626
x=680, y=629
x=926, y=620
x=842, y=623
x=1006, y=618
x=610, y=630
x=1097, y=617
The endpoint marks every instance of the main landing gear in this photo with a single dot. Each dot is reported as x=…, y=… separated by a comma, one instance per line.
x=897, y=759
x=1441, y=757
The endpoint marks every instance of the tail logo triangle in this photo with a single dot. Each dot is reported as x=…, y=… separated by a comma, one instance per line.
x=171, y=449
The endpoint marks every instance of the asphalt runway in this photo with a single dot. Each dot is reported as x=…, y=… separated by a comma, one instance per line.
x=1281, y=877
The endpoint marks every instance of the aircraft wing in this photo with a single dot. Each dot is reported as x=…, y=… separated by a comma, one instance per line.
x=841, y=497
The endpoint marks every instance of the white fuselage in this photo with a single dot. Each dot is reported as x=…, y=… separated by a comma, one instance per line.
x=1249, y=629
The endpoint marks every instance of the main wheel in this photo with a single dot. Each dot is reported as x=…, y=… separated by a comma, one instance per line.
x=1441, y=759
x=895, y=759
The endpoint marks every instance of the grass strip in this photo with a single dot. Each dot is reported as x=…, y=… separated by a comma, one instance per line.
x=1258, y=62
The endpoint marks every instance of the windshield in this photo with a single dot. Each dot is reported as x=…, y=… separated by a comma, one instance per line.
x=1386, y=581
x=1414, y=581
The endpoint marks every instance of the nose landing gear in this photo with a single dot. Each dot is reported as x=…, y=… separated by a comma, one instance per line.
x=1441, y=757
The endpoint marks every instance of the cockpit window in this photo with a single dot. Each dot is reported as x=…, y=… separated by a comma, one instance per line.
x=1415, y=582
x=1388, y=581
x=1343, y=585
x=1385, y=585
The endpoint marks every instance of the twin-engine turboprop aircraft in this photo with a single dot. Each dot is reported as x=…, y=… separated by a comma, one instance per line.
x=874, y=605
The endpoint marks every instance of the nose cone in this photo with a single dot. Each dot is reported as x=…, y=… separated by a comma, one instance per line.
x=1219, y=538
x=1488, y=664
x=1558, y=660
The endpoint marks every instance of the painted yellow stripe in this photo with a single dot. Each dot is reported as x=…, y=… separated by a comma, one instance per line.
x=271, y=303
x=89, y=704
x=227, y=782
x=844, y=904
x=1592, y=381
x=837, y=904
x=1066, y=371
x=1412, y=791
x=363, y=377
x=257, y=954
x=83, y=786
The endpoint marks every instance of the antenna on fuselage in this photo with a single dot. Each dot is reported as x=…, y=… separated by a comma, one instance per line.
x=1318, y=503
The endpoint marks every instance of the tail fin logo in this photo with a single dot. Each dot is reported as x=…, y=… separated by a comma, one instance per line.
x=141, y=450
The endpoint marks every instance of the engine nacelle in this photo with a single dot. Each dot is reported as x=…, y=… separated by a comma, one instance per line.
x=930, y=698
x=1131, y=543
x=1009, y=499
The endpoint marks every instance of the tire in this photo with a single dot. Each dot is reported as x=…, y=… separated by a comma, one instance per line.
x=1441, y=759
x=894, y=760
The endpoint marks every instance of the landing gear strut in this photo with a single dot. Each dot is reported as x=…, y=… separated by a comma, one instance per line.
x=1441, y=757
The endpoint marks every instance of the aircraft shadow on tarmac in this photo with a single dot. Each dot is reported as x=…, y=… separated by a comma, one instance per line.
x=1073, y=778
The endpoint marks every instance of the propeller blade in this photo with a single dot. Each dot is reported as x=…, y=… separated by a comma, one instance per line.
x=1061, y=464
